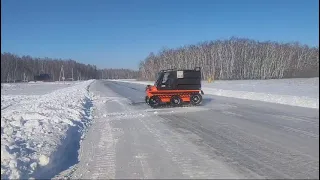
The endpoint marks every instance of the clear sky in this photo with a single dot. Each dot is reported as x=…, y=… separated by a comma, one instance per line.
x=120, y=33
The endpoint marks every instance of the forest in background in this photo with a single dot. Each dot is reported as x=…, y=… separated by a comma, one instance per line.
x=237, y=58
x=231, y=59
x=15, y=68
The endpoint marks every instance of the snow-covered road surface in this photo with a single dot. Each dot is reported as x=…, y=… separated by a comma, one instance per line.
x=223, y=138
x=301, y=92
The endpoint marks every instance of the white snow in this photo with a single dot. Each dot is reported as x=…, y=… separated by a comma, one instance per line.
x=43, y=160
x=38, y=120
x=303, y=92
x=37, y=87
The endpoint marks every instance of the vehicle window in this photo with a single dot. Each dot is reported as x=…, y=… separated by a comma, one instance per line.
x=165, y=78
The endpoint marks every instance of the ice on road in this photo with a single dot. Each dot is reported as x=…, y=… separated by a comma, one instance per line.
x=223, y=138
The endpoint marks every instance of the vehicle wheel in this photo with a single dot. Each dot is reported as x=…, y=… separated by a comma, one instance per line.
x=147, y=99
x=195, y=99
x=176, y=100
x=154, y=101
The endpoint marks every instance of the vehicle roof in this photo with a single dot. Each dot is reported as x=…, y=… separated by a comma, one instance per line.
x=196, y=69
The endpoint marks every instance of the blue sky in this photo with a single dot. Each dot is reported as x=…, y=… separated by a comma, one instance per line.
x=119, y=33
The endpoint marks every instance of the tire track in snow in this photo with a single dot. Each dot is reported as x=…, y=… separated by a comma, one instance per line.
x=189, y=159
x=97, y=150
x=104, y=158
x=192, y=162
x=264, y=153
x=146, y=170
x=100, y=160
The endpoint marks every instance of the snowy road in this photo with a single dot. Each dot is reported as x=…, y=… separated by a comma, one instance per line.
x=223, y=138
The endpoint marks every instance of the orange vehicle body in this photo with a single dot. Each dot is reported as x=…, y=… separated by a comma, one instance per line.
x=175, y=87
x=165, y=95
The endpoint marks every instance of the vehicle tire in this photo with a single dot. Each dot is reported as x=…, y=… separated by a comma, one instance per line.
x=147, y=100
x=154, y=101
x=195, y=99
x=176, y=101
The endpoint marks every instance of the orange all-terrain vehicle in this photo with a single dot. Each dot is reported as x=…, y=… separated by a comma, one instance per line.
x=175, y=87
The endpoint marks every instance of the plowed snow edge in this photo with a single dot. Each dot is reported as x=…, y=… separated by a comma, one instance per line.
x=41, y=137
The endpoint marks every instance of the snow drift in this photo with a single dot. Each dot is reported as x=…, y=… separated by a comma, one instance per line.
x=38, y=131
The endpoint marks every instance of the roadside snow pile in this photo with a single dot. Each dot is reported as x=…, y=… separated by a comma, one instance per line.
x=7, y=101
x=134, y=81
x=38, y=88
x=301, y=101
x=36, y=131
x=308, y=87
x=6, y=85
x=302, y=92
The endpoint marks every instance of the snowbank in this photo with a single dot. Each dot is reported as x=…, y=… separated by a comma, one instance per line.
x=308, y=87
x=35, y=88
x=36, y=130
x=4, y=85
x=295, y=92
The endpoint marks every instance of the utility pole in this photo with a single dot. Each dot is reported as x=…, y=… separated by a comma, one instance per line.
x=52, y=75
x=42, y=68
x=61, y=73
x=79, y=76
x=72, y=73
x=24, y=77
x=8, y=77
x=15, y=70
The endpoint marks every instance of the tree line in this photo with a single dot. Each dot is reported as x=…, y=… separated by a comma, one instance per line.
x=237, y=58
x=15, y=68
x=231, y=59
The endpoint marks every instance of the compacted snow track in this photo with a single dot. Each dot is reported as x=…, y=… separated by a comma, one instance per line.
x=222, y=138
